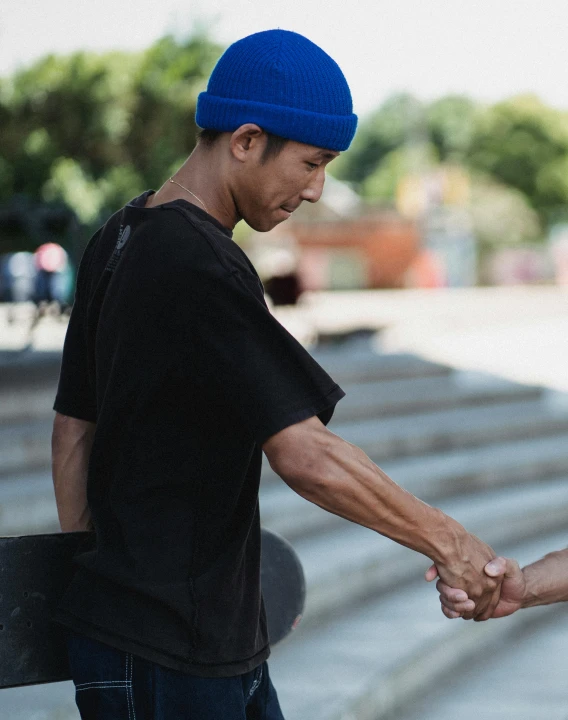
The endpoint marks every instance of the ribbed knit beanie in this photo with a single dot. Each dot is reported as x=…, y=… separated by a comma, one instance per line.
x=284, y=83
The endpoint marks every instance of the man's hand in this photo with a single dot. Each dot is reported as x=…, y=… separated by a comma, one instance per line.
x=456, y=603
x=464, y=573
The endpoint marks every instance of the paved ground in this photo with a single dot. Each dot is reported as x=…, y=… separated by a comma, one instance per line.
x=520, y=333
x=526, y=681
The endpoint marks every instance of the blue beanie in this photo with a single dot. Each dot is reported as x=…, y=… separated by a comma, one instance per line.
x=284, y=83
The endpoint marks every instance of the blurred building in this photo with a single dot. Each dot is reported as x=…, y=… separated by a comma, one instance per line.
x=337, y=243
x=437, y=200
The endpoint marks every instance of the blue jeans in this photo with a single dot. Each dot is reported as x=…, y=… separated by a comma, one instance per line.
x=114, y=685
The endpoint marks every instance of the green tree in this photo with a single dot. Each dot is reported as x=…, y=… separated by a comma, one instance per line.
x=92, y=130
x=523, y=143
x=451, y=123
x=398, y=120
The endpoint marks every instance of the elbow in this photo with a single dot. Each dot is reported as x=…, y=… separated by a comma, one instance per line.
x=301, y=460
x=69, y=430
x=306, y=480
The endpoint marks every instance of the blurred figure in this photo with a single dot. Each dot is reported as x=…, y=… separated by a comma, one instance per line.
x=18, y=276
x=51, y=262
x=283, y=284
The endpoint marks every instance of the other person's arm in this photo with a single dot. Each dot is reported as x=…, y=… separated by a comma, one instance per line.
x=339, y=477
x=542, y=583
x=71, y=444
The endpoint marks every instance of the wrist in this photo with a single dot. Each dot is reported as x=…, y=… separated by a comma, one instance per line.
x=531, y=594
x=446, y=540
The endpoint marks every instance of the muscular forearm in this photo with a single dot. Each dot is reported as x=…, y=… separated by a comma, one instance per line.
x=546, y=580
x=341, y=478
x=72, y=440
x=355, y=488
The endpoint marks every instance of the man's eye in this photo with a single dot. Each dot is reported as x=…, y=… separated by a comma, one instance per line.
x=312, y=166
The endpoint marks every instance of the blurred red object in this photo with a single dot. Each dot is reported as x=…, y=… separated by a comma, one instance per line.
x=50, y=257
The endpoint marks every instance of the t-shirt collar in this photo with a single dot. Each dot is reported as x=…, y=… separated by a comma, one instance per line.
x=140, y=202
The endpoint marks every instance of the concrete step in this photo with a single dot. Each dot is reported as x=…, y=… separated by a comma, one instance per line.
x=27, y=504
x=26, y=403
x=454, y=428
x=523, y=679
x=361, y=365
x=27, y=389
x=451, y=432
x=19, y=368
x=54, y=701
x=429, y=477
x=25, y=446
x=349, y=563
x=402, y=397
x=377, y=657
x=32, y=400
x=26, y=499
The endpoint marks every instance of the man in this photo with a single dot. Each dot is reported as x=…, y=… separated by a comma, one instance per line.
x=542, y=583
x=175, y=378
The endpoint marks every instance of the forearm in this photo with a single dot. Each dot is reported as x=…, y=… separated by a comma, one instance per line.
x=344, y=481
x=547, y=580
x=71, y=444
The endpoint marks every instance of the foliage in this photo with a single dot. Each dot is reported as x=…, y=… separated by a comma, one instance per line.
x=519, y=147
x=501, y=215
x=382, y=184
x=524, y=144
x=95, y=130
x=397, y=120
x=451, y=126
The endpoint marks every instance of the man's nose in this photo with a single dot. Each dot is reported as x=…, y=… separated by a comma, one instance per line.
x=314, y=190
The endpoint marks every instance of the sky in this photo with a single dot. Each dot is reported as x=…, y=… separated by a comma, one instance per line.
x=486, y=49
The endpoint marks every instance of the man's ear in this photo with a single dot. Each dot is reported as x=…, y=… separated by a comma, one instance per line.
x=246, y=140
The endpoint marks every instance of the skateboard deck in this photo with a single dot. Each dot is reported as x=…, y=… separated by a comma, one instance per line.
x=36, y=569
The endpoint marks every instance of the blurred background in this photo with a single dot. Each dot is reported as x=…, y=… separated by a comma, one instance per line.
x=431, y=280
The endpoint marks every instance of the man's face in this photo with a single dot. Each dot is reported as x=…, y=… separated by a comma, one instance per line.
x=270, y=191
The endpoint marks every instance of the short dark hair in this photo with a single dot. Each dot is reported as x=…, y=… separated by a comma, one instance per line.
x=273, y=147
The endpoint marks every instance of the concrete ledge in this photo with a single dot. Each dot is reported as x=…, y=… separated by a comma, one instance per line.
x=404, y=397
x=430, y=477
x=365, y=365
x=435, y=660
x=376, y=657
x=351, y=564
x=453, y=428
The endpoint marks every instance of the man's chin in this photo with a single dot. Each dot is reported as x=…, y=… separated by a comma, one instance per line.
x=265, y=224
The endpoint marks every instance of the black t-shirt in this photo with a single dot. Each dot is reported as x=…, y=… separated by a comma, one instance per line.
x=174, y=355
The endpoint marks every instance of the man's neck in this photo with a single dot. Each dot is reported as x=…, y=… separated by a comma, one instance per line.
x=201, y=181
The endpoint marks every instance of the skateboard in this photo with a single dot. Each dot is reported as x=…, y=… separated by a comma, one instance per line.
x=36, y=569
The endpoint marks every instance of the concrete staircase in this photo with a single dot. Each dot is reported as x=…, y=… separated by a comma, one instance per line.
x=492, y=453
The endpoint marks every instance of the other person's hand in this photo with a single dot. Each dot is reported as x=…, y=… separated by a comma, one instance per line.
x=456, y=603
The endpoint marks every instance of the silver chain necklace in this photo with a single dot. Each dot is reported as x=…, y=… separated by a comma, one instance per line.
x=191, y=193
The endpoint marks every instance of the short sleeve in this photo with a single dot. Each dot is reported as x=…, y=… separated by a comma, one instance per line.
x=76, y=393
x=255, y=365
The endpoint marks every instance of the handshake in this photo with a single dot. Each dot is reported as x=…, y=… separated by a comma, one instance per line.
x=504, y=587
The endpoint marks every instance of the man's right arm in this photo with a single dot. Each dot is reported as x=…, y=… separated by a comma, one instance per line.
x=339, y=477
